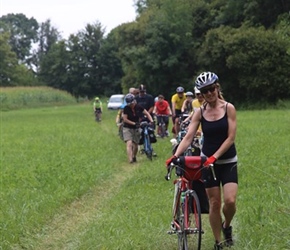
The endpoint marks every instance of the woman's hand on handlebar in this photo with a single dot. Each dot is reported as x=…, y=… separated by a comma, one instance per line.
x=209, y=161
x=172, y=159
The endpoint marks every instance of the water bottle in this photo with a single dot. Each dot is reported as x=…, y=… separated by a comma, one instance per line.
x=182, y=197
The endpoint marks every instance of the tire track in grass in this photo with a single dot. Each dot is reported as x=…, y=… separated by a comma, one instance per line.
x=81, y=211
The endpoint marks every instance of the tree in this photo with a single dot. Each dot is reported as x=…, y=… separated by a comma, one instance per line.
x=110, y=66
x=8, y=62
x=252, y=63
x=158, y=50
x=54, y=70
x=47, y=37
x=23, y=33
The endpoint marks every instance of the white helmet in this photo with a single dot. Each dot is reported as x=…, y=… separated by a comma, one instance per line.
x=188, y=93
x=205, y=79
x=180, y=89
x=196, y=91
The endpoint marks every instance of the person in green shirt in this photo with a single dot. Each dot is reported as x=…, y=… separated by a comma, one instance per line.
x=98, y=108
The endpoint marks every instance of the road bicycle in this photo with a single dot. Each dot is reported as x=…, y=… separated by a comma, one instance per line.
x=186, y=211
x=98, y=113
x=147, y=132
x=161, y=126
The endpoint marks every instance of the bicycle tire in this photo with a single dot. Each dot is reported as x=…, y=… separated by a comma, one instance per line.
x=193, y=230
x=163, y=130
x=147, y=147
x=179, y=218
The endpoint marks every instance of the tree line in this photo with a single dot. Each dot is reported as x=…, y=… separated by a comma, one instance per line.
x=246, y=43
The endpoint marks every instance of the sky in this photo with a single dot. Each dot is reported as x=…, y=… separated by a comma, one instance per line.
x=71, y=16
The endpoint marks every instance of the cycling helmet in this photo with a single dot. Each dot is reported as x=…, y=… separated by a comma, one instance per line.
x=129, y=98
x=205, y=79
x=196, y=91
x=188, y=93
x=97, y=99
x=180, y=90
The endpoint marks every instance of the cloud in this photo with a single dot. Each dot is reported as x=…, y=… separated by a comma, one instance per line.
x=70, y=16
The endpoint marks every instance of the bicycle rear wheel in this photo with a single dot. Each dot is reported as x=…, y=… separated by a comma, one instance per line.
x=193, y=229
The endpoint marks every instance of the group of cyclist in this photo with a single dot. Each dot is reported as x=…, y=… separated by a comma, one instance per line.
x=210, y=115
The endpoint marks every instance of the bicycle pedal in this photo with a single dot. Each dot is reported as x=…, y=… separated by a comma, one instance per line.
x=171, y=232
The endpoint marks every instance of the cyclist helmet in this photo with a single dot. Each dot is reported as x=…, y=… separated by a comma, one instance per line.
x=205, y=79
x=180, y=90
x=196, y=91
x=97, y=99
x=129, y=98
x=188, y=93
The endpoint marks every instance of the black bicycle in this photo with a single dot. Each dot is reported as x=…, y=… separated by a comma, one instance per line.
x=147, y=132
x=98, y=113
x=161, y=126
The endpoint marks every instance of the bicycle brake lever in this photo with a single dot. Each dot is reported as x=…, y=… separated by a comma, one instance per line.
x=168, y=176
x=212, y=170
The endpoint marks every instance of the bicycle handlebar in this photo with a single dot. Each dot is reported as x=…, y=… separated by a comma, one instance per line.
x=182, y=160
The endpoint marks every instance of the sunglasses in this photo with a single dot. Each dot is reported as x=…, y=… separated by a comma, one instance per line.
x=210, y=89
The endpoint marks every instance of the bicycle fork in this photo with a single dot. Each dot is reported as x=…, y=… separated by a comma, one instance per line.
x=177, y=209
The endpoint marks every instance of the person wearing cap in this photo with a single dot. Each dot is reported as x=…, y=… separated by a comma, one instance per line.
x=145, y=100
x=219, y=125
x=176, y=101
x=187, y=104
x=98, y=107
x=199, y=99
x=131, y=118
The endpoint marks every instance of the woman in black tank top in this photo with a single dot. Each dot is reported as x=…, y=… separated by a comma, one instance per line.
x=218, y=121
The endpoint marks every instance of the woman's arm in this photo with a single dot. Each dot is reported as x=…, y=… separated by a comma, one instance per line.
x=173, y=108
x=192, y=128
x=183, y=106
x=126, y=120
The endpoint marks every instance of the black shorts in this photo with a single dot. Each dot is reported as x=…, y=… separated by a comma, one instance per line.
x=225, y=173
x=165, y=119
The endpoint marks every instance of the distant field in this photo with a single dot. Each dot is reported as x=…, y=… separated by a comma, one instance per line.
x=66, y=183
x=32, y=97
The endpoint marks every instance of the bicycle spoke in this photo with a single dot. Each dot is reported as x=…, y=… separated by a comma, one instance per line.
x=193, y=222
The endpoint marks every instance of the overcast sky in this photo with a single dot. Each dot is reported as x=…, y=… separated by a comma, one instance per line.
x=70, y=16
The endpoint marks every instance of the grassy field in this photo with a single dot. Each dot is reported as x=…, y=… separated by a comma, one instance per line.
x=66, y=184
x=32, y=97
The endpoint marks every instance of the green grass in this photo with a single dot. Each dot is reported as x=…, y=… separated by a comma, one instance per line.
x=33, y=97
x=66, y=184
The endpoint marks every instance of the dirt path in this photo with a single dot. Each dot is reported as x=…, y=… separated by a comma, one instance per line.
x=80, y=212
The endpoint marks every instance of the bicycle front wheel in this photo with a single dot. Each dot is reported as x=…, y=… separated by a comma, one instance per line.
x=148, y=147
x=192, y=222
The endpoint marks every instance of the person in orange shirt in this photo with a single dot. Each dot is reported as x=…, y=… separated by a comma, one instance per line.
x=162, y=111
